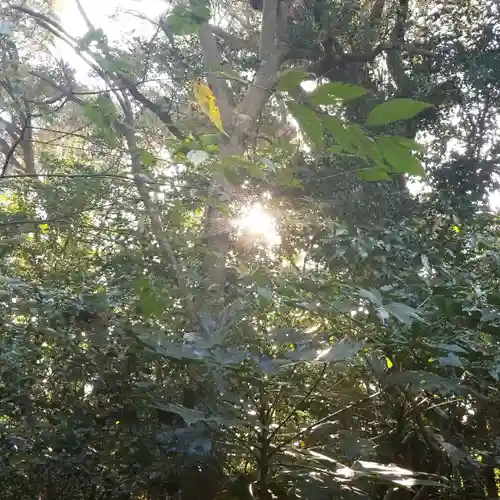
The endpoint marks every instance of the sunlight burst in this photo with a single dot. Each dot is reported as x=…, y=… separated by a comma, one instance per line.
x=255, y=222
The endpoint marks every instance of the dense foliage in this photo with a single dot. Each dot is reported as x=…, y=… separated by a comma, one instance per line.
x=217, y=277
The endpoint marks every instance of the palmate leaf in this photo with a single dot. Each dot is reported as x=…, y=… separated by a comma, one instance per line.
x=340, y=351
x=192, y=416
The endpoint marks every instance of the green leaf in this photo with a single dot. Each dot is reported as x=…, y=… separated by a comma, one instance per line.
x=395, y=110
x=374, y=174
x=184, y=21
x=331, y=93
x=365, y=145
x=404, y=313
x=409, y=144
x=308, y=121
x=339, y=352
x=339, y=132
x=189, y=415
x=102, y=114
x=93, y=35
x=399, y=157
x=147, y=158
x=372, y=295
x=291, y=79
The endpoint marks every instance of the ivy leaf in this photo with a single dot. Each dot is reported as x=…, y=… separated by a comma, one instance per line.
x=331, y=93
x=395, y=110
x=308, y=121
x=291, y=79
x=374, y=174
x=399, y=157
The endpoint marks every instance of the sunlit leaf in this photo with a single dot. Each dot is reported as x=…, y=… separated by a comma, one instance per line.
x=395, y=110
x=308, y=121
x=340, y=352
x=372, y=295
x=330, y=93
x=186, y=21
x=399, y=157
x=197, y=157
x=374, y=174
x=339, y=131
x=291, y=79
x=206, y=101
x=404, y=313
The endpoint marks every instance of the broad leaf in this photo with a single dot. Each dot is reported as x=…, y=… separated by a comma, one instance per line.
x=374, y=174
x=206, y=100
x=399, y=157
x=339, y=132
x=340, y=352
x=308, y=121
x=291, y=79
x=395, y=110
x=184, y=21
x=404, y=313
x=372, y=295
x=330, y=93
x=409, y=144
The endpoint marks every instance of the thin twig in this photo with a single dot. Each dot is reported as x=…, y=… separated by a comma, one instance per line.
x=13, y=148
x=304, y=399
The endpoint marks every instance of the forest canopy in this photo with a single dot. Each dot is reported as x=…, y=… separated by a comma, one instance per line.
x=249, y=250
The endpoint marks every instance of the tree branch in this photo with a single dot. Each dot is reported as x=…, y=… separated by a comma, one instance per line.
x=9, y=152
x=157, y=109
x=269, y=26
x=127, y=129
x=235, y=42
x=394, y=61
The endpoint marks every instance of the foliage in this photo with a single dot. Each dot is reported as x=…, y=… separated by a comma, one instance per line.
x=150, y=349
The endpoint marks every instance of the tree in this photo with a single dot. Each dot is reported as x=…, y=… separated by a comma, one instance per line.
x=150, y=352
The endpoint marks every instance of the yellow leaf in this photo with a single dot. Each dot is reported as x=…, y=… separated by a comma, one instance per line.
x=206, y=102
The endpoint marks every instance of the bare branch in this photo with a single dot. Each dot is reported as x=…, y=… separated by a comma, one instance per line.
x=9, y=127
x=235, y=42
x=269, y=26
x=26, y=141
x=161, y=113
x=127, y=129
x=394, y=61
x=9, y=153
x=90, y=26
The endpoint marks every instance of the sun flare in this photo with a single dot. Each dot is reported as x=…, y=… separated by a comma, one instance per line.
x=254, y=221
